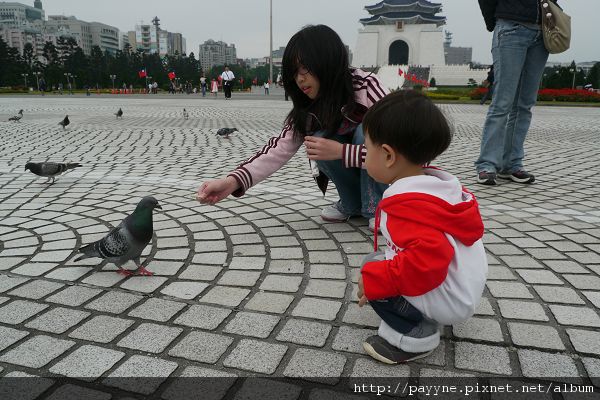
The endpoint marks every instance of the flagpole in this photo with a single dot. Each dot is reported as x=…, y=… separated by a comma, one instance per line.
x=271, y=42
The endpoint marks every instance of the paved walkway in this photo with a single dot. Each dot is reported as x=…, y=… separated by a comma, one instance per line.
x=260, y=285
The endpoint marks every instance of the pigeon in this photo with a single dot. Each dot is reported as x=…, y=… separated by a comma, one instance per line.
x=126, y=241
x=225, y=132
x=65, y=122
x=50, y=170
x=17, y=118
x=119, y=114
x=186, y=115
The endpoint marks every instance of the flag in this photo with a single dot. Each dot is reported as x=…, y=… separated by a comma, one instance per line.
x=142, y=73
x=171, y=75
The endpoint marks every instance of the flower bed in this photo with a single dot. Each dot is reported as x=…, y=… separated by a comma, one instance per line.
x=572, y=95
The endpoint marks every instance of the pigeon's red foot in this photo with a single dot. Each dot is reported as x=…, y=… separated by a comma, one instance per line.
x=124, y=272
x=144, y=271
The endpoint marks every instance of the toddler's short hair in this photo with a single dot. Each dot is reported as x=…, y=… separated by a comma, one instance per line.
x=411, y=124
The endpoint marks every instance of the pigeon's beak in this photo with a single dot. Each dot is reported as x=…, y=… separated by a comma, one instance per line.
x=158, y=206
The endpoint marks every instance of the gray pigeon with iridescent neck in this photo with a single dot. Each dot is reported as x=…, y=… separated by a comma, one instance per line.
x=126, y=241
x=50, y=170
x=17, y=118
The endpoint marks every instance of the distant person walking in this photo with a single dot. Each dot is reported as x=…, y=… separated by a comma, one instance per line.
x=228, y=78
x=266, y=86
x=203, y=85
x=489, y=82
x=42, y=86
x=214, y=87
x=519, y=58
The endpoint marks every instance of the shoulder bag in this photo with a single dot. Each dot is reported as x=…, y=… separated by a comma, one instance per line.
x=556, y=27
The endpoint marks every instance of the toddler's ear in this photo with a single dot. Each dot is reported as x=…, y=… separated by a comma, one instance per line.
x=390, y=155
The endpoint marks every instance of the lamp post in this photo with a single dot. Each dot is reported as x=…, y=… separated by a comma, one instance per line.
x=574, y=71
x=270, y=41
x=68, y=75
x=113, y=77
x=37, y=79
x=25, y=77
x=542, y=83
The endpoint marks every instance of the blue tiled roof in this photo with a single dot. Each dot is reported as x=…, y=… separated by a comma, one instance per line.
x=423, y=3
x=404, y=15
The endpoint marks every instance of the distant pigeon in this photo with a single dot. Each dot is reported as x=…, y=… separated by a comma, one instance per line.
x=119, y=114
x=225, y=132
x=65, y=122
x=17, y=118
x=50, y=170
x=126, y=241
x=186, y=115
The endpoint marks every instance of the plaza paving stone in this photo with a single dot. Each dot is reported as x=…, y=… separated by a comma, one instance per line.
x=259, y=285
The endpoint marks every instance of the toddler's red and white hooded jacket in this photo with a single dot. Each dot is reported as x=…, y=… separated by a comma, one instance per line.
x=434, y=255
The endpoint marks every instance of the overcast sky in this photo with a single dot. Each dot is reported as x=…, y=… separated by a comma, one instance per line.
x=246, y=22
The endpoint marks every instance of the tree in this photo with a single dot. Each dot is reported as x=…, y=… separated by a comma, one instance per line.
x=28, y=56
x=593, y=76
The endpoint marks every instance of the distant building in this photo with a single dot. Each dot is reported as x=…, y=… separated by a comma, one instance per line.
x=144, y=39
x=401, y=32
x=456, y=55
x=106, y=37
x=21, y=24
x=123, y=40
x=213, y=53
x=17, y=15
x=176, y=43
x=19, y=37
x=131, y=39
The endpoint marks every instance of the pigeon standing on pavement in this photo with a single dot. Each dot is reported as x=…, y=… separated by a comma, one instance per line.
x=65, y=122
x=17, y=118
x=185, y=114
x=126, y=241
x=50, y=170
x=119, y=114
x=225, y=132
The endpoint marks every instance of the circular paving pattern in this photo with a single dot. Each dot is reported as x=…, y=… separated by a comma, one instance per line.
x=260, y=285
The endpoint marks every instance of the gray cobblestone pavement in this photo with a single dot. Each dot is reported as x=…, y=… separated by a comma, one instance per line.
x=260, y=286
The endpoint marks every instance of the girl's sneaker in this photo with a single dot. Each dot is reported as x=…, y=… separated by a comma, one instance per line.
x=333, y=214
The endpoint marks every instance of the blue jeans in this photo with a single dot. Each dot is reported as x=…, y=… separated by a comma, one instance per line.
x=397, y=312
x=359, y=193
x=519, y=60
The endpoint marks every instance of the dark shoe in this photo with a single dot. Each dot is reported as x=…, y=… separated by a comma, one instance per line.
x=520, y=176
x=486, y=178
x=378, y=348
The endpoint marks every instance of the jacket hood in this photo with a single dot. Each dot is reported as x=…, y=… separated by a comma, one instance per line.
x=441, y=203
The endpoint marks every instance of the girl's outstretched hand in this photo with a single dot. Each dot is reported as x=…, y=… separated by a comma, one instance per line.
x=319, y=148
x=212, y=192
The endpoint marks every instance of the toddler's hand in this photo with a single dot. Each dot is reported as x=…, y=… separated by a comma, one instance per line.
x=362, y=299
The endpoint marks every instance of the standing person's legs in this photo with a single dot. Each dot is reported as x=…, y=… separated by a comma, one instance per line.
x=404, y=333
x=509, y=53
x=520, y=118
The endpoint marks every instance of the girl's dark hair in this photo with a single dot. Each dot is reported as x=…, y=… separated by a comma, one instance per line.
x=322, y=52
x=411, y=124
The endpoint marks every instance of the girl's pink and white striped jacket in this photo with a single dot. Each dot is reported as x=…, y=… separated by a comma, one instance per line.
x=368, y=89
